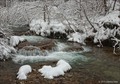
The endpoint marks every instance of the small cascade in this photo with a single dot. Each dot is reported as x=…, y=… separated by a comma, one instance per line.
x=60, y=46
x=45, y=50
x=31, y=51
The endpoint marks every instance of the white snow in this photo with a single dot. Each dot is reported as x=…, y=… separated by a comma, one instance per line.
x=23, y=71
x=111, y=17
x=106, y=33
x=50, y=72
x=62, y=64
x=6, y=50
x=15, y=40
x=43, y=28
x=102, y=34
x=77, y=37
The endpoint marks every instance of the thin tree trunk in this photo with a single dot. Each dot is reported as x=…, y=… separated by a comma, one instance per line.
x=44, y=9
x=7, y=11
x=114, y=4
x=80, y=8
x=105, y=6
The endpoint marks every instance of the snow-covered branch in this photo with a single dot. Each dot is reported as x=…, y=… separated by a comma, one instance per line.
x=117, y=43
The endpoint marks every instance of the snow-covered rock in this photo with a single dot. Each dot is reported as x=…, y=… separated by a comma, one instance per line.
x=15, y=40
x=23, y=71
x=77, y=37
x=62, y=64
x=51, y=72
x=45, y=68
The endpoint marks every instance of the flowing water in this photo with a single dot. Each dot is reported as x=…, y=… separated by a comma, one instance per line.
x=93, y=61
x=58, y=52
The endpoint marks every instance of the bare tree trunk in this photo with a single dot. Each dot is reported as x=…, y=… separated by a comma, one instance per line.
x=80, y=9
x=114, y=4
x=44, y=9
x=48, y=15
x=7, y=11
x=105, y=6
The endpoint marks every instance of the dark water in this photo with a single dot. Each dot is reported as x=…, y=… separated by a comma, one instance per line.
x=102, y=63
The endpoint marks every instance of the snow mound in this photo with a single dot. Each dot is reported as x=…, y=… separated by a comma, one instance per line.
x=23, y=71
x=51, y=72
x=15, y=40
x=63, y=65
x=43, y=28
x=6, y=50
x=77, y=37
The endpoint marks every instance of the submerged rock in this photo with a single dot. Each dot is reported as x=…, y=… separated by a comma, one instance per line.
x=45, y=44
x=74, y=47
x=23, y=44
x=37, y=48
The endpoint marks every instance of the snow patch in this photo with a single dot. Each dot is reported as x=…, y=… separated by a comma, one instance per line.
x=77, y=37
x=51, y=72
x=23, y=71
x=15, y=40
x=62, y=64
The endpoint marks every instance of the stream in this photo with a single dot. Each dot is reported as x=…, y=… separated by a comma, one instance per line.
x=92, y=65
